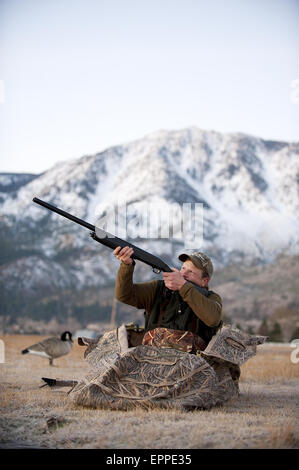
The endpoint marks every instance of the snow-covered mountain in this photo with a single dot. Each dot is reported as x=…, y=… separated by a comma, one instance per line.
x=11, y=182
x=248, y=187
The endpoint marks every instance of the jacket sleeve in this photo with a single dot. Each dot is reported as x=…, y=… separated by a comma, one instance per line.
x=140, y=295
x=208, y=309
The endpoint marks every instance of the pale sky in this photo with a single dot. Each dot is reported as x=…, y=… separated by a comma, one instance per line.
x=79, y=76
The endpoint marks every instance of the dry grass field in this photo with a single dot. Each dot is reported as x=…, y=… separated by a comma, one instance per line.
x=266, y=414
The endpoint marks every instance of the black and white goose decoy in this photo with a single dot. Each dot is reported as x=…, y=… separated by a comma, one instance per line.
x=52, y=347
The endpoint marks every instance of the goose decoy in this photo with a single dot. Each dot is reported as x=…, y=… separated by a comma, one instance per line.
x=52, y=347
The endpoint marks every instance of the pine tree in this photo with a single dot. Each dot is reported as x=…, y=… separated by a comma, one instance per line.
x=263, y=329
x=276, y=333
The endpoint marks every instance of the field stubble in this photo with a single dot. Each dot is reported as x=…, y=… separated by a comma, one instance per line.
x=265, y=415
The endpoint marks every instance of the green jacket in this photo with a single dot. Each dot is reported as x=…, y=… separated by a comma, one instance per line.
x=186, y=309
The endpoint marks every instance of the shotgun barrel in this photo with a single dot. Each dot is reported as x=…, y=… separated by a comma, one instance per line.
x=109, y=240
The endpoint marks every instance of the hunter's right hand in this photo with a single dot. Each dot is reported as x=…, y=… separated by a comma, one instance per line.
x=124, y=254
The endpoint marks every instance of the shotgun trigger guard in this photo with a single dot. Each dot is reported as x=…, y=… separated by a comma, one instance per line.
x=156, y=270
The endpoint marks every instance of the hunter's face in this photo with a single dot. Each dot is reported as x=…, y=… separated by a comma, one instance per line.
x=193, y=274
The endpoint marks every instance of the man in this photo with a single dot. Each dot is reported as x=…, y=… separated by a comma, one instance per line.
x=180, y=311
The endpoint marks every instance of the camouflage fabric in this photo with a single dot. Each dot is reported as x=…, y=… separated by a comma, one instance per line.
x=101, y=354
x=146, y=376
x=180, y=340
x=233, y=346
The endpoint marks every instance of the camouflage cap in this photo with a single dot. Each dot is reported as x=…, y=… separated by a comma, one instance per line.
x=200, y=260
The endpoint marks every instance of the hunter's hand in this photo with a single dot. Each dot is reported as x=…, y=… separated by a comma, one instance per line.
x=174, y=280
x=124, y=254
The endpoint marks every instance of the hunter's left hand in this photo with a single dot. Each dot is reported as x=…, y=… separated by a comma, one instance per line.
x=174, y=280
